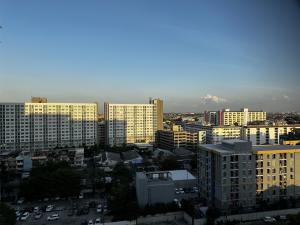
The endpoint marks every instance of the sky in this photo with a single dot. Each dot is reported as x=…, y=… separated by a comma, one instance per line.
x=195, y=55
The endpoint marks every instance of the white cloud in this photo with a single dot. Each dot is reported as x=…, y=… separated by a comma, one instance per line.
x=286, y=97
x=212, y=99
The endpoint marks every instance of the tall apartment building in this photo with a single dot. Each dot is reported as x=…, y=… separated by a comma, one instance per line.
x=236, y=175
x=216, y=134
x=226, y=117
x=132, y=123
x=36, y=126
x=261, y=134
x=277, y=172
x=227, y=174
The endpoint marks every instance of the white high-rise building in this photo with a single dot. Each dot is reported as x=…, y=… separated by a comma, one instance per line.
x=42, y=125
x=266, y=134
x=132, y=123
x=226, y=117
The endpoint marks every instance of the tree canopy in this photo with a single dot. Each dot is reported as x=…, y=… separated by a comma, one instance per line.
x=51, y=180
x=7, y=215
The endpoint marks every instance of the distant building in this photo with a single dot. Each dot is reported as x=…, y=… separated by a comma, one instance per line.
x=101, y=133
x=177, y=138
x=226, y=117
x=143, y=147
x=132, y=157
x=40, y=125
x=164, y=186
x=216, y=134
x=110, y=159
x=24, y=162
x=133, y=123
x=266, y=134
x=77, y=157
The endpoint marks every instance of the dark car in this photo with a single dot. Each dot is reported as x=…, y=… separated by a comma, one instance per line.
x=84, y=222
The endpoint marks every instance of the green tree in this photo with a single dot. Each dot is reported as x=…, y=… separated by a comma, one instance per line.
x=51, y=180
x=7, y=215
x=294, y=219
x=211, y=215
x=170, y=164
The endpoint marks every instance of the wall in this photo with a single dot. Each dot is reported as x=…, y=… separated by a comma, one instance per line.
x=258, y=215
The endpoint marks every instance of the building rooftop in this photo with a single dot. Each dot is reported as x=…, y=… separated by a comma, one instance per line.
x=183, y=152
x=129, y=155
x=263, y=126
x=181, y=175
x=274, y=147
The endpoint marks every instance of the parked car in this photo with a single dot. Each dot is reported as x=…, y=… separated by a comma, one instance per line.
x=20, y=201
x=99, y=208
x=49, y=208
x=283, y=217
x=24, y=216
x=80, y=196
x=53, y=217
x=36, y=209
x=18, y=213
x=269, y=219
x=37, y=216
x=84, y=222
x=97, y=221
x=90, y=222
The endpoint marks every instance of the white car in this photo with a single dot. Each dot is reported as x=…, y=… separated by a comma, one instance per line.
x=20, y=201
x=97, y=221
x=90, y=222
x=36, y=209
x=53, y=217
x=18, y=214
x=269, y=219
x=99, y=209
x=25, y=216
x=49, y=208
x=80, y=196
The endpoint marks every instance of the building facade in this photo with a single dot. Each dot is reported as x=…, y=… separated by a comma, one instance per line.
x=178, y=138
x=277, y=172
x=236, y=175
x=226, y=117
x=261, y=134
x=164, y=186
x=132, y=123
x=216, y=134
x=37, y=126
x=227, y=174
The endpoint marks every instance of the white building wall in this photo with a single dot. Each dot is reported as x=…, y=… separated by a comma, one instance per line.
x=35, y=126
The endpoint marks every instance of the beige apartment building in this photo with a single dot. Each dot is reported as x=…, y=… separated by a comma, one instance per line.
x=40, y=125
x=132, y=123
x=216, y=134
x=277, y=172
x=226, y=117
x=176, y=138
x=236, y=175
x=263, y=134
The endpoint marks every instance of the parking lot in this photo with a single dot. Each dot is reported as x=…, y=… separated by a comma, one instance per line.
x=67, y=210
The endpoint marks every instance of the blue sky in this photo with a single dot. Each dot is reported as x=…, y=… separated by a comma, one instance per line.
x=195, y=55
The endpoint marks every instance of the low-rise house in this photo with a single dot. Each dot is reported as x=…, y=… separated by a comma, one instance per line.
x=164, y=186
x=132, y=157
x=110, y=159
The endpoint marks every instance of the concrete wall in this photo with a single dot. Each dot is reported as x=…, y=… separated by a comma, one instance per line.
x=258, y=215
